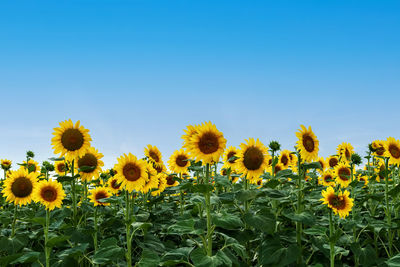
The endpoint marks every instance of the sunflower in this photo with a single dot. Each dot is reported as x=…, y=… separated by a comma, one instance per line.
x=6, y=164
x=293, y=159
x=364, y=179
x=131, y=172
x=230, y=158
x=153, y=155
x=253, y=159
x=179, y=161
x=61, y=167
x=113, y=185
x=207, y=144
x=345, y=150
x=189, y=132
x=278, y=168
x=343, y=173
x=92, y=160
x=72, y=141
x=284, y=159
x=340, y=202
x=333, y=161
x=323, y=163
x=49, y=193
x=392, y=147
x=307, y=143
x=19, y=186
x=32, y=166
x=171, y=182
x=99, y=193
x=160, y=168
x=327, y=178
x=162, y=184
x=379, y=147
x=152, y=181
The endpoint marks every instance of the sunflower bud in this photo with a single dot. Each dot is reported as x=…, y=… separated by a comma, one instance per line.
x=274, y=146
x=371, y=148
x=30, y=154
x=356, y=159
x=47, y=166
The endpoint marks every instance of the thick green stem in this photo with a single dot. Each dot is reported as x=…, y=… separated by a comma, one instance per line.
x=14, y=221
x=181, y=197
x=299, y=225
x=95, y=230
x=207, y=197
x=246, y=187
x=388, y=211
x=128, y=230
x=46, y=239
x=331, y=243
x=73, y=193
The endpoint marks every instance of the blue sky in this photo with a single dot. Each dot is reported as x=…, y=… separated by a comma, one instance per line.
x=137, y=72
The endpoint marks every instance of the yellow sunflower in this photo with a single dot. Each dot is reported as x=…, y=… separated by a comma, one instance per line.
x=229, y=158
x=179, y=161
x=343, y=174
x=253, y=159
x=6, y=164
x=233, y=177
x=32, y=166
x=379, y=146
x=293, y=159
x=162, y=184
x=345, y=150
x=153, y=155
x=91, y=159
x=307, y=144
x=207, y=144
x=285, y=159
x=189, y=132
x=72, y=141
x=113, y=185
x=392, y=150
x=99, y=193
x=160, y=168
x=323, y=163
x=364, y=179
x=278, y=167
x=152, y=181
x=131, y=172
x=61, y=167
x=327, y=178
x=19, y=186
x=171, y=182
x=49, y=193
x=333, y=161
x=340, y=203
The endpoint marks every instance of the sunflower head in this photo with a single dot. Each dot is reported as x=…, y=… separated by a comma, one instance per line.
x=6, y=164
x=171, y=180
x=392, y=150
x=61, y=167
x=179, y=161
x=19, y=186
x=153, y=155
x=32, y=166
x=113, y=185
x=274, y=146
x=230, y=158
x=162, y=183
x=131, y=172
x=207, y=144
x=323, y=163
x=152, y=179
x=307, y=144
x=97, y=194
x=343, y=174
x=253, y=159
x=71, y=141
x=49, y=193
x=333, y=161
x=339, y=202
x=378, y=147
x=363, y=179
x=345, y=150
x=285, y=159
x=327, y=178
x=89, y=165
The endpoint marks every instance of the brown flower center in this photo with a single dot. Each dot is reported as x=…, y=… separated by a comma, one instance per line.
x=170, y=179
x=277, y=168
x=394, y=151
x=230, y=155
x=48, y=193
x=181, y=161
x=89, y=160
x=158, y=168
x=154, y=156
x=333, y=162
x=338, y=202
x=328, y=178
x=380, y=150
x=253, y=158
x=308, y=143
x=72, y=139
x=284, y=160
x=100, y=195
x=61, y=167
x=347, y=154
x=131, y=172
x=22, y=187
x=208, y=143
x=114, y=184
x=344, y=174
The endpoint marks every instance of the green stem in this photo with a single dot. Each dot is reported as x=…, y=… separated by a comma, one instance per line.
x=208, y=210
x=331, y=243
x=14, y=221
x=299, y=208
x=128, y=230
x=388, y=211
x=46, y=239
x=73, y=188
x=95, y=229
x=181, y=197
x=246, y=187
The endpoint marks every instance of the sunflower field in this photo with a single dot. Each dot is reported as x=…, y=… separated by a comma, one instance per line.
x=207, y=205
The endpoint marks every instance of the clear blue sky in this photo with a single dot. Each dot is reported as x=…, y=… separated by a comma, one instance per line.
x=137, y=72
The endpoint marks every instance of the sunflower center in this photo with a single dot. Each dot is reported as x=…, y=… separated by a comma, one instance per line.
x=22, y=187
x=72, y=139
x=230, y=155
x=154, y=156
x=158, y=168
x=333, y=162
x=88, y=160
x=114, y=184
x=49, y=193
x=284, y=160
x=380, y=150
x=347, y=153
x=181, y=161
x=394, y=151
x=344, y=174
x=338, y=202
x=277, y=168
x=308, y=143
x=100, y=195
x=131, y=172
x=61, y=167
x=170, y=180
x=253, y=158
x=328, y=178
x=208, y=143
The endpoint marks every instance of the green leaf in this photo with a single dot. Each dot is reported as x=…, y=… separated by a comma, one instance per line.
x=184, y=227
x=272, y=253
x=27, y=257
x=245, y=195
x=272, y=183
x=64, y=178
x=260, y=222
x=72, y=252
x=312, y=165
x=394, y=261
x=108, y=251
x=86, y=168
x=227, y=221
x=203, y=188
x=304, y=217
x=57, y=159
x=149, y=259
x=200, y=259
x=55, y=240
x=177, y=254
x=394, y=192
x=13, y=245
x=316, y=230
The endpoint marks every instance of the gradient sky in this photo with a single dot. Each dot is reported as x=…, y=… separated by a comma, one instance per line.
x=137, y=72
